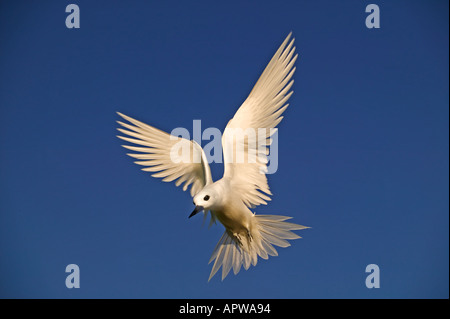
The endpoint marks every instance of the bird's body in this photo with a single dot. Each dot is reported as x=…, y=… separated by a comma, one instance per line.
x=244, y=184
x=234, y=215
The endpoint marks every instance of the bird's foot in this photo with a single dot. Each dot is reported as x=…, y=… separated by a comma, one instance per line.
x=249, y=235
x=238, y=238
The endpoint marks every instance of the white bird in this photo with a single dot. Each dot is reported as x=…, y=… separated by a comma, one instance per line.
x=244, y=184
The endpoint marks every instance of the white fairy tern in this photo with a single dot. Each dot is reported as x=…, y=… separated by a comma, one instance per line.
x=244, y=183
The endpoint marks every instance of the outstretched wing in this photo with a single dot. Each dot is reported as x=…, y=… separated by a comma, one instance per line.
x=248, y=134
x=171, y=158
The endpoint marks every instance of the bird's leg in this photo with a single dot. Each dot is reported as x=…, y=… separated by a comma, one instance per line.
x=238, y=238
x=249, y=235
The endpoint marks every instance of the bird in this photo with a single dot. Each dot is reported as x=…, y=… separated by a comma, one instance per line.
x=231, y=199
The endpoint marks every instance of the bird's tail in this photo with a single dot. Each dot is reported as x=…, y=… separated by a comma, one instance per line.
x=236, y=250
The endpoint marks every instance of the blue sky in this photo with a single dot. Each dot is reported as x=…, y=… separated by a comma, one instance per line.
x=363, y=149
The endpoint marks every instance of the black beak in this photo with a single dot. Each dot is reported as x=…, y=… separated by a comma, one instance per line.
x=196, y=210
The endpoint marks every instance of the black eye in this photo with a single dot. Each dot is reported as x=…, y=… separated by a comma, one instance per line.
x=206, y=197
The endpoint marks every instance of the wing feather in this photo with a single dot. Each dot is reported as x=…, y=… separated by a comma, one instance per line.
x=160, y=155
x=246, y=158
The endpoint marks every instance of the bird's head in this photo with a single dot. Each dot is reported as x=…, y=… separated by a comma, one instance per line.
x=204, y=200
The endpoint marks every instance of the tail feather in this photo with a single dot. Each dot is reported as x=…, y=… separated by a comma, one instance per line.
x=218, y=248
x=227, y=255
x=267, y=230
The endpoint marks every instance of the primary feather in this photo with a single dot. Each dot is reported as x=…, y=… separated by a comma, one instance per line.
x=163, y=154
x=260, y=113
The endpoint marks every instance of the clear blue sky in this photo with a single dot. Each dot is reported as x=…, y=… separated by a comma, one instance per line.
x=363, y=148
